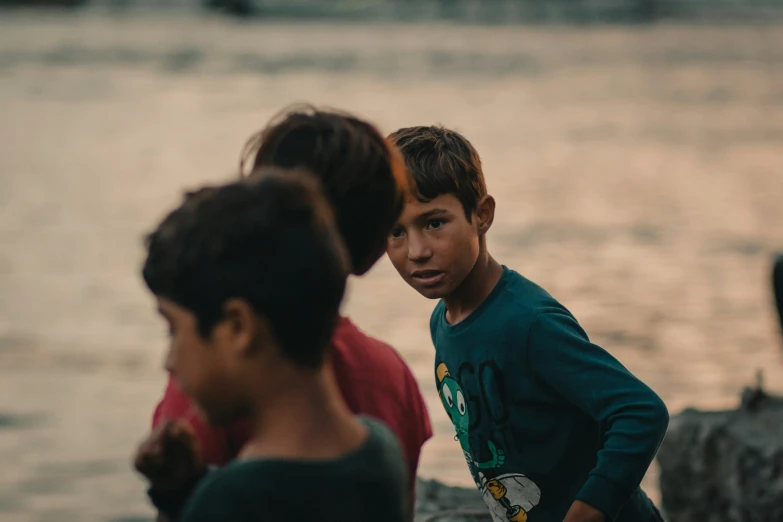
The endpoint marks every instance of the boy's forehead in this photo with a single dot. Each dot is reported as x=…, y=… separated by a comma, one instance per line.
x=169, y=308
x=414, y=207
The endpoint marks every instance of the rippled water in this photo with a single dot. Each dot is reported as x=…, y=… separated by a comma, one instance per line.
x=637, y=173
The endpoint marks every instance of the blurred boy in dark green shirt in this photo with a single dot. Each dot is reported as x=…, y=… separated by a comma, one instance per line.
x=249, y=277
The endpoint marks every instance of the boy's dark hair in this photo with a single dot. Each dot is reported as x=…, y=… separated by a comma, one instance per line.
x=362, y=174
x=441, y=161
x=271, y=241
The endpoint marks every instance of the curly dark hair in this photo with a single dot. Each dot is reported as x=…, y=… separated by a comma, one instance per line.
x=270, y=240
x=362, y=173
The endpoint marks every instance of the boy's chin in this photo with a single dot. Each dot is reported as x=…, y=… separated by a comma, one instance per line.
x=431, y=293
x=219, y=417
x=220, y=421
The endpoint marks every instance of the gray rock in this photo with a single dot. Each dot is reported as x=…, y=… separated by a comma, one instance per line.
x=437, y=502
x=725, y=466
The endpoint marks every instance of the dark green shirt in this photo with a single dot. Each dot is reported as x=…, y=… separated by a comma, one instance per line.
x=543, y=416
x=369, y=484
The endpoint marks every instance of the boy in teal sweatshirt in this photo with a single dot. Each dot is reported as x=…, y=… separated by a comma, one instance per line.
x=554, y=429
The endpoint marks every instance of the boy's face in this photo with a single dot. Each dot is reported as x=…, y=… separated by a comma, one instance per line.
x=205, y=369
x=434, y=246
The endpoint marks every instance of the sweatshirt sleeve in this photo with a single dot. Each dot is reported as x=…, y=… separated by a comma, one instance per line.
x=634, y=418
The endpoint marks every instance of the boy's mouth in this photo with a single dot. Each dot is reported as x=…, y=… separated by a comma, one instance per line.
x=428, y=278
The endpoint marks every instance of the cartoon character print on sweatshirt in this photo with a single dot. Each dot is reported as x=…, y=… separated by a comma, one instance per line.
x=509, y=496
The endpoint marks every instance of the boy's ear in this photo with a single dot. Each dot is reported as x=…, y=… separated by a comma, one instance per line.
x=485, y=214
x=241, y=325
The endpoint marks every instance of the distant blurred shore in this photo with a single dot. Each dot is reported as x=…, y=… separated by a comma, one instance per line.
x=453, y=11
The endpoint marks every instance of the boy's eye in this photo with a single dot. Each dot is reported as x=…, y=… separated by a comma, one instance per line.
x=396, y=233
x=435, y=223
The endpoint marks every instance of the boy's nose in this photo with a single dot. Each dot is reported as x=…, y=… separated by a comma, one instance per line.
x=418, y=250
x=168, y=363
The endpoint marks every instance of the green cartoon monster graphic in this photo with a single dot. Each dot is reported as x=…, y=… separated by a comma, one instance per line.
x=509, y=496
x=454, y=401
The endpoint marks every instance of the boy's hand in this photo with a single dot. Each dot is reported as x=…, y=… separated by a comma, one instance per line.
x=169, y=457
x=583, y=512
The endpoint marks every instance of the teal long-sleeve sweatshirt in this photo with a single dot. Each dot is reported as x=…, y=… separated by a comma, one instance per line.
x=543, y=416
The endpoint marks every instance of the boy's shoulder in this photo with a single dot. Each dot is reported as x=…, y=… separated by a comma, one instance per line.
x=243, y=489
x=515, y=302
x=375, y=380
x=260, y=475
x=525, y=293
x=356, y=346
x=521, y=297
x=383, y=449
x=219, y=495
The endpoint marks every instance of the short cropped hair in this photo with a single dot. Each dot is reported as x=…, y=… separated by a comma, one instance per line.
x=441, y=161
x=270, y=241
x=362, y=174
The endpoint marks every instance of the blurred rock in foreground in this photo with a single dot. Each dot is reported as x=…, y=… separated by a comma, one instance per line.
x=437, y=502
x=725, y=466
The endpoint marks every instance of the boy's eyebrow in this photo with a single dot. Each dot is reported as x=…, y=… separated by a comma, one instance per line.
x=432, y=213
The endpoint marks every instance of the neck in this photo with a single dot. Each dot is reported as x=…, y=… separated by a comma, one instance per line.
x=302, y=416
x=475, y=288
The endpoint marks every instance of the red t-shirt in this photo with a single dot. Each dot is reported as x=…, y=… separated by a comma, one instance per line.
x=373, y=379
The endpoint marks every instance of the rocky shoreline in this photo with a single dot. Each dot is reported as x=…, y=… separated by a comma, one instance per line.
x=725, y=466
x=438, y=502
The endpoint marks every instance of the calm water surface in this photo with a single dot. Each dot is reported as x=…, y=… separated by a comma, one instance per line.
x=637, y=174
